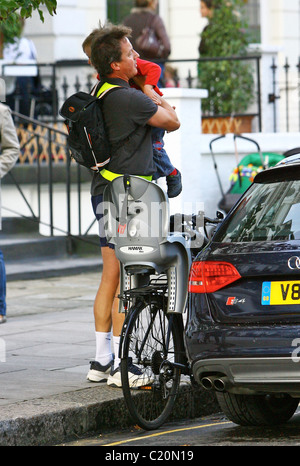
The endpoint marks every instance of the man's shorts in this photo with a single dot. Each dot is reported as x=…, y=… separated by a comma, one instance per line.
x=97, y=203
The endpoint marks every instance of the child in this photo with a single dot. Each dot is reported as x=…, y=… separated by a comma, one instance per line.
x=170, y=77
x=146, y=80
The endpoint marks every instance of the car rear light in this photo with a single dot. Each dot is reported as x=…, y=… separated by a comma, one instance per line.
x=207, y=277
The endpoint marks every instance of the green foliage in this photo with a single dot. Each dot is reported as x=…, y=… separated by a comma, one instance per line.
x=117, y=10
x=13, y=11
x=229, y=83
x=10, y=10
x=11, y=30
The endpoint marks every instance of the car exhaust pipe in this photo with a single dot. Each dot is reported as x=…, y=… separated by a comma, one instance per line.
x=207, y=383
x=220, y=384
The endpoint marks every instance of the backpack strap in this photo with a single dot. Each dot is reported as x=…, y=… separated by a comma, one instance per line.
x=108, y=175
x=104, y=89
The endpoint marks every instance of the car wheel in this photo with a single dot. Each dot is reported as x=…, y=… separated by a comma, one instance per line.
x=257, y=410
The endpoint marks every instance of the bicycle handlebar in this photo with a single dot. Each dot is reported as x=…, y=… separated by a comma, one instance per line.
x=193, y=227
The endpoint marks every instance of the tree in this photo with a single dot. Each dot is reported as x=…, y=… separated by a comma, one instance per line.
x=229, y=83
x=12, y=10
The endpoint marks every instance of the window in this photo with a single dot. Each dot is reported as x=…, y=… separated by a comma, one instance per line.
x=252, y=16
x=268, y=212
x=118, y=9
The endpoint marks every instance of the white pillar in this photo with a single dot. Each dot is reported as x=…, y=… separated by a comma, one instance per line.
x=183, y=147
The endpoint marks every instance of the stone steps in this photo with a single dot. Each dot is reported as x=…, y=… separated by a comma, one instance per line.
x=28, y=254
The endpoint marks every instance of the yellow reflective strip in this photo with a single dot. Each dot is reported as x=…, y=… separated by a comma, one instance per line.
x=110, y=176
x=105, y=87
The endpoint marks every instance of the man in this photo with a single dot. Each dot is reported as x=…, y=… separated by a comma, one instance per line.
x=147, y=80
x=9, y=154
x=129, y=115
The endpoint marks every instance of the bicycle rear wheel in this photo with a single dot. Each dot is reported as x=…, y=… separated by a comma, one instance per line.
x=153, y=342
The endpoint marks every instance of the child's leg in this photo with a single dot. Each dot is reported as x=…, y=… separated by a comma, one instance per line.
x=160, y=157
x=163, y=164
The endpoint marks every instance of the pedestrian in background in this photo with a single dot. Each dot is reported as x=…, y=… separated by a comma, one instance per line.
x=9, y=154
x=207, y=11
x=144, y=15
x=22, y=51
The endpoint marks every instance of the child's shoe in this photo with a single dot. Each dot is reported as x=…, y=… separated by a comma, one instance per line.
x=174, y=184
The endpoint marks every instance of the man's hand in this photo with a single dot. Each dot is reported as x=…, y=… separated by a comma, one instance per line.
x=165, y=117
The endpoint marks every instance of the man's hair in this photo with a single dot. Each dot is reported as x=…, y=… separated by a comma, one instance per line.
x=106, y=46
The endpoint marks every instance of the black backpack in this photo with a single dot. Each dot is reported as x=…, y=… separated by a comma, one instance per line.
x=87, y=139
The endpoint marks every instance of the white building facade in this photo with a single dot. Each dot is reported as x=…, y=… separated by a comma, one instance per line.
x=61, y=36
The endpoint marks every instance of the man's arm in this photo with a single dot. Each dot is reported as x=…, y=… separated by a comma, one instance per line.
x=10, y=147
x=165, y=117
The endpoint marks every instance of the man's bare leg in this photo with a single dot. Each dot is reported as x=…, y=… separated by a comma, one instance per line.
x=106, y=315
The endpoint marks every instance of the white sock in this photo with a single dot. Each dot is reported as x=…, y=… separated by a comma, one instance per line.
x=116, y=341
x=103, y=347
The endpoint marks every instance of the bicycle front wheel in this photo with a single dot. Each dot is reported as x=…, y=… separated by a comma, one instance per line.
x=152, y=346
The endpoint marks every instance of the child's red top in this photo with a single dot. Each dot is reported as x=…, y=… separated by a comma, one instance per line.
x=151, y=70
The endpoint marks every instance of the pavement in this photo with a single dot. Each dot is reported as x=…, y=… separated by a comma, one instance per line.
x=45, y=348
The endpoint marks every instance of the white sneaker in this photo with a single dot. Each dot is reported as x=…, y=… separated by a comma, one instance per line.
x=136, y=377
x=114, y=378
x=99, y=373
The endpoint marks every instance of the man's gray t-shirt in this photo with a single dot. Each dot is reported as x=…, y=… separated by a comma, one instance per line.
x=126, y=113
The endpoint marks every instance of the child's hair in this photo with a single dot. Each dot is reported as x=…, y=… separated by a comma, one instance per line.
x=89, y=39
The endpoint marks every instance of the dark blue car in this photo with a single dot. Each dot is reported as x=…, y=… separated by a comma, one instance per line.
x=243, y=329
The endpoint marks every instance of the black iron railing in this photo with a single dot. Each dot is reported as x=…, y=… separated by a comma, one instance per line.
x=59, y=80
x=45, y=160
x=286, y=86
x=56, y=81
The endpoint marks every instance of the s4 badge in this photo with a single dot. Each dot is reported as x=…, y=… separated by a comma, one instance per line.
x=233, y=300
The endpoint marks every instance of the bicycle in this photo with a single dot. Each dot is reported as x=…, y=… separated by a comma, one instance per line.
x=154, y=282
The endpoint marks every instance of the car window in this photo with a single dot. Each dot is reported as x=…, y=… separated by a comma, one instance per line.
x=268, y=212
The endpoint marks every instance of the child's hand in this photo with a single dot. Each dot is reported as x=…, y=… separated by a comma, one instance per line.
x=150, y=92
x=147, y=89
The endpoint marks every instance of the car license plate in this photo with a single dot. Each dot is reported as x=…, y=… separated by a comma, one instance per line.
x=280, y=293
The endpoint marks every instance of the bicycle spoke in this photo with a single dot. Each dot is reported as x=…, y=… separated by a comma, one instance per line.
x=153, y=344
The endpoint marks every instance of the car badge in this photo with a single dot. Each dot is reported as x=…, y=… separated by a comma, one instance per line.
x=294, y=263
x=232, y=300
